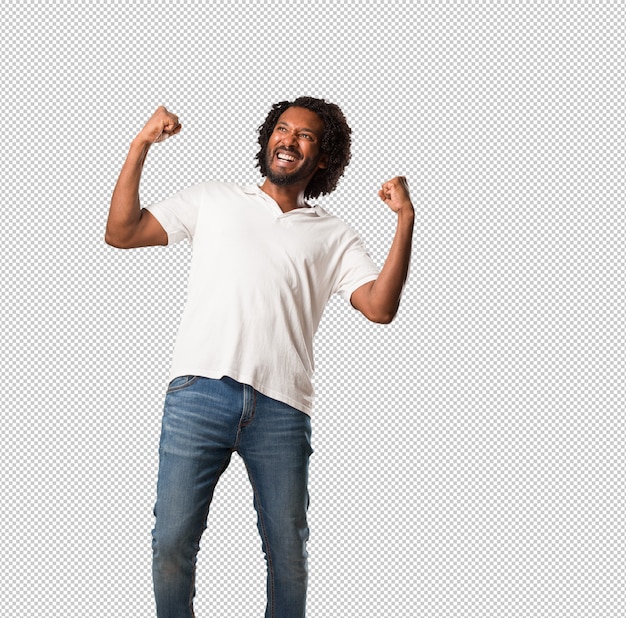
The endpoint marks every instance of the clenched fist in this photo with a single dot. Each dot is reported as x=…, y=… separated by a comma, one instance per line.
x=395, y=193
x=162, y=124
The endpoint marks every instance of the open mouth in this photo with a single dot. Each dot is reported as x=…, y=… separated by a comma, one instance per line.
x=286, y=157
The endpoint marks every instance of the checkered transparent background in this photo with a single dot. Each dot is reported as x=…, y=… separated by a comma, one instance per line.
x=469, y=458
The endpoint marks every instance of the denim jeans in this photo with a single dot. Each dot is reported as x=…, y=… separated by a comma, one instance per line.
x=204, y=422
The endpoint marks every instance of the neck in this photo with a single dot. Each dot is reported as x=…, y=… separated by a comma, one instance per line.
x=287, y=197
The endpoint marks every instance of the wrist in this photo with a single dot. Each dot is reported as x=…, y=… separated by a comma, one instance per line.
x=138, y=150
x=406, y=214
x=140, y=144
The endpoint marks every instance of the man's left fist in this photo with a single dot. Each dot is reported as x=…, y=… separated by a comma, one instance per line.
x=395, y=193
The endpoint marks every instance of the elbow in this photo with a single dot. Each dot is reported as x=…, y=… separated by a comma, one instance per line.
x=381, y=317
x=113, y=241
x=387, y=313
x=377, y=308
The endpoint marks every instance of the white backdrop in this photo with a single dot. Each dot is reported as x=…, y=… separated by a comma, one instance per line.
x=469, y=458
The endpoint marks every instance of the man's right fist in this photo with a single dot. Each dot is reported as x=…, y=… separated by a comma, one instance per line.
x=162, y=124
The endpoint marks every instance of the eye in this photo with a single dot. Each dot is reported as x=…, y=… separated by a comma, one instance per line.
x=306, y=136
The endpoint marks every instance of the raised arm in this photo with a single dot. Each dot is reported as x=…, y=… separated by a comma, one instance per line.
x=129, y=226
x=378, y=300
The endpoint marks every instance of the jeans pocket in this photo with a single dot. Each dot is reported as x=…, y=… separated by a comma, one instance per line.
x=181, y=382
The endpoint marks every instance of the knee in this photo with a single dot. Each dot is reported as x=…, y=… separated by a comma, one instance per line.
x=287, y=542
x=174, y=550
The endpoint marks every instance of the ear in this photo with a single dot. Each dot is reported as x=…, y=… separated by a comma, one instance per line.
x=323, y=162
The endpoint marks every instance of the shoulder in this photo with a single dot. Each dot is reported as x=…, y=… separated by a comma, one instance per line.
x=229, y=190
x=215, y=192
x=216, y=186
x=335, y=224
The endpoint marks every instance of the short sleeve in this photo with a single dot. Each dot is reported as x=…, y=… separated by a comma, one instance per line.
x=355, y=268
x=178, y=214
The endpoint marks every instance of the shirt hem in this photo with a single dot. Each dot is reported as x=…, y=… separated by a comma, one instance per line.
x=361, y=282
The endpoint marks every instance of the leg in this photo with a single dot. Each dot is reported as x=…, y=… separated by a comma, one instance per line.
x=197, y=437
x=275, y=446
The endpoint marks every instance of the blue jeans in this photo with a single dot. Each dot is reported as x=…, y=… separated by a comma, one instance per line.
x=204, y=422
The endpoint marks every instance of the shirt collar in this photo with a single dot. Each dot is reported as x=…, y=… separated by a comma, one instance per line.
x=314, y=210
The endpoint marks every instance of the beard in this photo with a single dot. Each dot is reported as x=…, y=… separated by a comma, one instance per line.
x=285, y=178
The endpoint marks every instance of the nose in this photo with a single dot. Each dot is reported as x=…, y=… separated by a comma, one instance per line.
x=288, y=138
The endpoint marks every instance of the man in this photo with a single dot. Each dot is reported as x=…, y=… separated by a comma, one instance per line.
x=265, y=262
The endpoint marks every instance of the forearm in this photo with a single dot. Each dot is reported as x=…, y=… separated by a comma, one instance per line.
x=386, y=290
x=125, y=208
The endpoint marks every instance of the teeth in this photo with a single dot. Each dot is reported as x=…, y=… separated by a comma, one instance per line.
x=285, y=157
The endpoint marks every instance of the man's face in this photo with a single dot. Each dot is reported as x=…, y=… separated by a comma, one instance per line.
x=293, y=150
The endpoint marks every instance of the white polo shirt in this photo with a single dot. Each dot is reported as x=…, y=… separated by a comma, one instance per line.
x=258, y=285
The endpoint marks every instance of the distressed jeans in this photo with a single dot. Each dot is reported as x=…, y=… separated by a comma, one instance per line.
x=204, y=422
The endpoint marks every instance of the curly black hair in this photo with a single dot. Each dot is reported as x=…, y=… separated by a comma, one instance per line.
x=335, y=142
